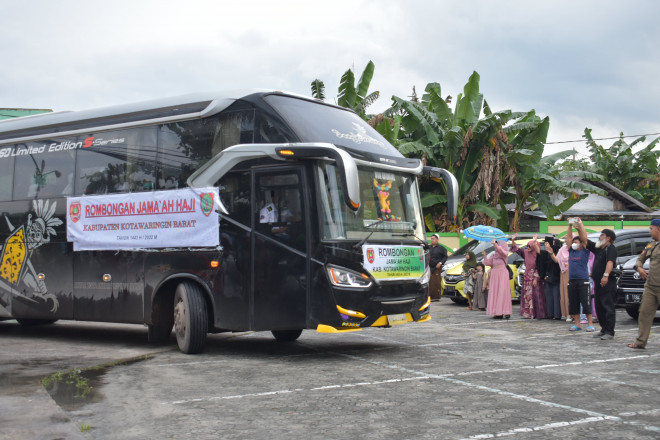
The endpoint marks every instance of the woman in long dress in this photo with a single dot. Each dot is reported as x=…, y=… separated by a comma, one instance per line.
x=469, y=272
x=532, y=300
x=499, y=289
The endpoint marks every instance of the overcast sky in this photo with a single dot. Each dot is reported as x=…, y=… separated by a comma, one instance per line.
x=588, y=63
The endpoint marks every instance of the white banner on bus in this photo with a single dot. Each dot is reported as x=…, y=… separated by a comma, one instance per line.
x=157, y=219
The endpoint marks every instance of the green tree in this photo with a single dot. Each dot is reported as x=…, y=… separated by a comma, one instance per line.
x=635, y=173
x=357, y=98
x=497, y=158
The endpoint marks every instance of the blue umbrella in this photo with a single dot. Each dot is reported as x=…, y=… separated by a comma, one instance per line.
x=484, y=233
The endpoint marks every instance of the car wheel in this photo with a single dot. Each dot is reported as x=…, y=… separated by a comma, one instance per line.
x=286, y=335
x=633, y=311
x=190, y=317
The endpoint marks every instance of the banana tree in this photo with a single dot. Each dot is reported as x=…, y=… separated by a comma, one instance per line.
x=357, y=98
x=469, y=147
x=636, y=173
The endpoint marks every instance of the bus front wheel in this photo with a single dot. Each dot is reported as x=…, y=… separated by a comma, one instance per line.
x=286, y=335
x=190, y=317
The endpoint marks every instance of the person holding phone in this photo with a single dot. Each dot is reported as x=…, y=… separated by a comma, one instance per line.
x=604, y=284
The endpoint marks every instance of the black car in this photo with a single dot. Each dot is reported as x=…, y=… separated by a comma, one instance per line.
x=629, y=242
x=630, y=287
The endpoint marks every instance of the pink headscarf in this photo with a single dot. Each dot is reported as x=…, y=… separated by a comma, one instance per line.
x=531, y=245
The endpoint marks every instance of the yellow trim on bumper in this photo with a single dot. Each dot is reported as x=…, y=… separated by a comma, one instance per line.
x=426, y=318
x=322, y=328
x=426, y=304
x=352, y=313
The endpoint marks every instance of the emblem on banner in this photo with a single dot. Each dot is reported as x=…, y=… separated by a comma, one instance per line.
x=420, y=255
x=371, y=256
x=206, y=203
x=74, y=211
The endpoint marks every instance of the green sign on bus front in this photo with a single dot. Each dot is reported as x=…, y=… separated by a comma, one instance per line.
x=393, y=262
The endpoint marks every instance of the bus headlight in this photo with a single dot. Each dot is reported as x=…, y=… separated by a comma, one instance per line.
x=426, y=277
x=342, y=277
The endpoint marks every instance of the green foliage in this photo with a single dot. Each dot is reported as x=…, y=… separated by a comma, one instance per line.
x=318, y=89
x=635, y=173
x=84, y=427
x=357, y=98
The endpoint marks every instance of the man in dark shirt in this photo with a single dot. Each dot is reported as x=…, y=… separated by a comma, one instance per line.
x=437, y=257
x=604, y=285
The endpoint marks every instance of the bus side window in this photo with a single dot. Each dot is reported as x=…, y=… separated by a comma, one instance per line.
x=182, y=148
x=42, y=174
x=233, y=128
x=101, y=170
x=235, y=195
x=118, y=161
x=6, y=173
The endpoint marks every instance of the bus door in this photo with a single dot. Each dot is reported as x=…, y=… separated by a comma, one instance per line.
x=108, y=286
x=280, y=251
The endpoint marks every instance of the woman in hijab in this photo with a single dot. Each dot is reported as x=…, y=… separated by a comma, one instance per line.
x=469, y=269
x=532, y=303
x=499, y=289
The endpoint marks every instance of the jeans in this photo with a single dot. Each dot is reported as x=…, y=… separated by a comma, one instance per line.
x=552, y=300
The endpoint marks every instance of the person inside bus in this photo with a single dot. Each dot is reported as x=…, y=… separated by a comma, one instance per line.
x=277, y=216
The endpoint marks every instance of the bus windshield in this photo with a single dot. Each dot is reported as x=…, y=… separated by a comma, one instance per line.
x=390, y=206
x=324, y=123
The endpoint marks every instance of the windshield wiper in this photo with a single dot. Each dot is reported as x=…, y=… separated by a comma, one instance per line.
x=361, y=242
x=412, y=234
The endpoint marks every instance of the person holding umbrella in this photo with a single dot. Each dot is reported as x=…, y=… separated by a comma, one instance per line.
x=499, y=290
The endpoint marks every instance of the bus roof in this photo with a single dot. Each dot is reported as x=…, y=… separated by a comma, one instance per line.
x=162, y=110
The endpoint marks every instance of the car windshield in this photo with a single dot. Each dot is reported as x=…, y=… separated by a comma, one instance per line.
x=390, y=208
x=630, y=264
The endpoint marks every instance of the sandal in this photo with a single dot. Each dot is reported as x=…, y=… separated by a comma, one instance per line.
x=574, y=328
x=591, y=328
x=633, y=345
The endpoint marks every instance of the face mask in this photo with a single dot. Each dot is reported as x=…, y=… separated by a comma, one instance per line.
x=600, y=243
x=575, y=246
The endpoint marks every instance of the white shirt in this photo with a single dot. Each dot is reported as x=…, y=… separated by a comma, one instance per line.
x=268, y=213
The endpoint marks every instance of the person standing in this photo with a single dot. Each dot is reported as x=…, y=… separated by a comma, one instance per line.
x=479, y=296
x=562, y=260
x=578, y=281
x=437, y=257
x=550, y=273
x=469, y=272
x=651, y=295
x=499, y=289
x=531, y=303
x=604, y=284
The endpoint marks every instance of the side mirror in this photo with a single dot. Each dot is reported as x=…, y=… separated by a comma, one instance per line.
x=451, y=185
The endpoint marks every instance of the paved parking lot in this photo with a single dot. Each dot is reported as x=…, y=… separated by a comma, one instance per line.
x=461, y=375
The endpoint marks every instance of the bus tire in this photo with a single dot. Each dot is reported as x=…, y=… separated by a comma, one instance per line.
x=190, y=317
x=286, y=335
x=32, y=321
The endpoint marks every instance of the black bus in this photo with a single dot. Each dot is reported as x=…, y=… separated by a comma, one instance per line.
x=319, y=218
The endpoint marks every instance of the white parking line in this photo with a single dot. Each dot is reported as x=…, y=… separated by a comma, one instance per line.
x=541, y=428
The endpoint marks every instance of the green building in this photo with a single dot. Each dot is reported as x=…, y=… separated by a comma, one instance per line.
x=8, y=113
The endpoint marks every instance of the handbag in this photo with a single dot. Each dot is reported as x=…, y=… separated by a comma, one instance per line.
x=510, y=271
